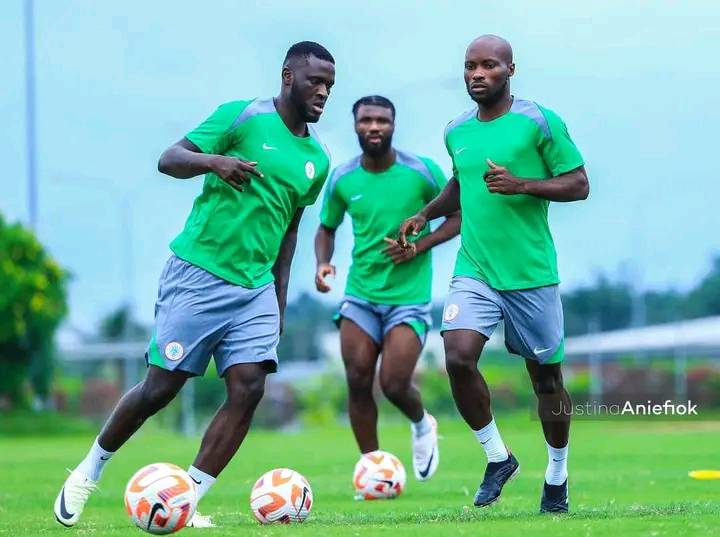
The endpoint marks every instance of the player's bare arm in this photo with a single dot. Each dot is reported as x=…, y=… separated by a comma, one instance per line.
x=570, y=186
x=184, y=160
x=445, y=204
x=324, y=249
x=445, y=231
x=281, y=269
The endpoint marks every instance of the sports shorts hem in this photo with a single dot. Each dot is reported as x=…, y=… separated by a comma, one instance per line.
x=270, y=364
x=473, y=328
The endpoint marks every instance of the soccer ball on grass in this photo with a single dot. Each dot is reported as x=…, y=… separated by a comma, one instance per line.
x=379, y=475
x=281, y=495
x=160, y=498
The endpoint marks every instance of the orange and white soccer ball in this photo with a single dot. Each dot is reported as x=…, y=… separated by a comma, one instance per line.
x=281, y=495
x=160, y=498
x=379, y=475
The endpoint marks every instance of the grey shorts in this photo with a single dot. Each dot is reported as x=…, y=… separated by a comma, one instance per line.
x=533, y=317
x=198, y=315
x=376, y=320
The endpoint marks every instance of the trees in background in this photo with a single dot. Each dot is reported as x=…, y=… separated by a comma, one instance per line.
x=33, y=302
x=120, y=325
x=608, y=305
x=306, y=318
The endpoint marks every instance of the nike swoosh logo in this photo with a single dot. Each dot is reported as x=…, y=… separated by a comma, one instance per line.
x=355, y=198
x=196, y=481
x=424, y=473
x=486, y=441
x=458, y=151
x=558, y=460
x=302, y=500
x=63, y=508
x=104, y=458
x=268, y=147
x=155, y=508
x=386, y=481
x=540, y=351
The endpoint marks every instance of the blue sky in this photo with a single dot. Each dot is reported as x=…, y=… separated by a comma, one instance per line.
x=636, y=82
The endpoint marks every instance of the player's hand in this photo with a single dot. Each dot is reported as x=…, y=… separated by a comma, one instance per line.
x=234, y=171
x=397, y=253
x=413, y=225
x=500, y=181
x=323, y=271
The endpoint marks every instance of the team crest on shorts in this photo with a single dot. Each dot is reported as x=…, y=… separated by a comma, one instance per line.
x=174, y=351
x=310, y=169
x=451, y=312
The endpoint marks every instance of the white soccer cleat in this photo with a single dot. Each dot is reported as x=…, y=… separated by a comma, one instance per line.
x=71, y=501
x=200, y=521
x=426, y=455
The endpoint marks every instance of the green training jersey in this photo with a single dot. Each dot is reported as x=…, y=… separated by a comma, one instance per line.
x=237, y=235
x=377, y=204
x=506, y=240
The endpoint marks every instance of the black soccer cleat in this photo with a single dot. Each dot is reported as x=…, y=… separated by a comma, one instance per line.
x=496, y=475
x=554, y=498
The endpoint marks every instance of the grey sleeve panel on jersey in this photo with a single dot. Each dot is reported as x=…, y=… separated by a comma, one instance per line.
x=531, y=110
x=258, y=106
x=462, y=118
x=344, y=169
x=415, y=163
x=314, y=135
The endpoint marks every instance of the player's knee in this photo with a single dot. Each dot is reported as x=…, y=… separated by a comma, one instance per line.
x=155, y=396
x=247, y=394
x=459, y=363
x=359, y=380
x=393, y=388
x=548, y=384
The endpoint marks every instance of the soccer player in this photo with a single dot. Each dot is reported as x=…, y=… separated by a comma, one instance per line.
x=511, y=157
x=223, y=291
x=386, y=308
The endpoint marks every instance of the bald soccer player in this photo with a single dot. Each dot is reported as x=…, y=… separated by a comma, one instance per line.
x=511, y=157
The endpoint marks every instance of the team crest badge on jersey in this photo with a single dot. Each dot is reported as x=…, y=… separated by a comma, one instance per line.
x=174, y=351
x=451, y=312
x=310, y=169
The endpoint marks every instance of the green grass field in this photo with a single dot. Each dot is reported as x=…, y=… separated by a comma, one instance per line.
x=627, y=478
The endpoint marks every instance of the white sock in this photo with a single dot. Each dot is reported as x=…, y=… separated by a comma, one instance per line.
x=556, y=472
x=94, y=462
x=421, y=427
x=489, y=437
x=202, y=480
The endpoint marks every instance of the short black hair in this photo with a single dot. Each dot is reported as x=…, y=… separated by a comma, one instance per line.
x=305, y=49
x=373, y=100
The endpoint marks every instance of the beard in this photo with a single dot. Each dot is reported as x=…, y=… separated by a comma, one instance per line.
x=375, y=150
x=492, y=98
x=302, y=107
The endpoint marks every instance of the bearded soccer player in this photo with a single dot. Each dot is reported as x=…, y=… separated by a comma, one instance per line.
x=223, y=291
x=386, y=308
x=511, y=157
